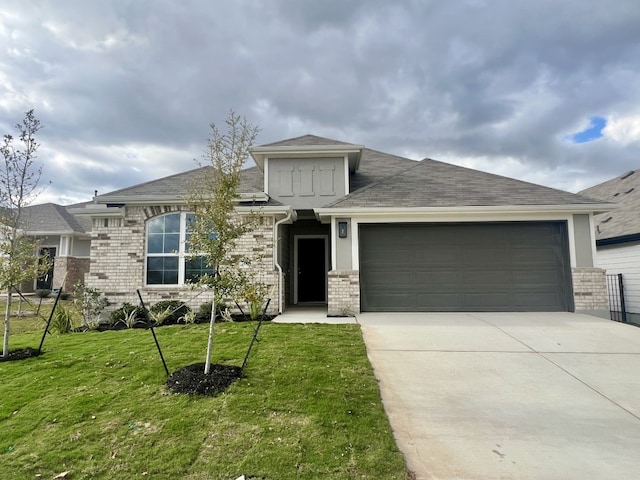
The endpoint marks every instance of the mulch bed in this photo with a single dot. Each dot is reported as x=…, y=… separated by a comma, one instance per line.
x=193, y=381
x=20, y=354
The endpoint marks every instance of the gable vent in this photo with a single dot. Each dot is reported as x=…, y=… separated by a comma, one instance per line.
x=628, y=174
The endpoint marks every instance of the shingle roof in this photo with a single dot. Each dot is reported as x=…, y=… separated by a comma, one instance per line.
x=54, y=219
x=305, y=140
x=178, y=184
x=430, y=183
x=624, y=220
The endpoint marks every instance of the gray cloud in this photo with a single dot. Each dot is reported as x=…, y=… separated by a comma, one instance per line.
x=126, y=90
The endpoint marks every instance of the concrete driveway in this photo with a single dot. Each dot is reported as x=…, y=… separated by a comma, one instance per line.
x=510, y=396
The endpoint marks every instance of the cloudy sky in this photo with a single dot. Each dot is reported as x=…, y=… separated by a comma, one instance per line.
x=544, y=91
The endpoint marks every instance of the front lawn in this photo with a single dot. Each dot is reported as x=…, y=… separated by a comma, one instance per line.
x=95, y=405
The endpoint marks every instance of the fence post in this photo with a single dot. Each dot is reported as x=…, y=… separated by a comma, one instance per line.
x=622, y=305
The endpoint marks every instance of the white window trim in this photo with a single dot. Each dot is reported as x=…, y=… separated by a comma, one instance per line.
x=182, y=254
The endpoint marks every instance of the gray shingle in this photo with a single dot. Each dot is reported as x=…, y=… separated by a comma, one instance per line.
x=430, y=183
x=305, y=140
x=178, y=184
x=624, y=220
x=52, y=218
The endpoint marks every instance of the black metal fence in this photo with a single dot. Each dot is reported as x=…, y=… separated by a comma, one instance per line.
x=615, y=289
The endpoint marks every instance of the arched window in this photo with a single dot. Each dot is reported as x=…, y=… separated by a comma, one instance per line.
x=169, y=261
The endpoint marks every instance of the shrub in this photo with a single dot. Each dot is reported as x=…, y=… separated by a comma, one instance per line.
x=204, y=313
x=90, y=301
x=43, y=292
x=127, y=315
x=169, y=312
x=62, y=320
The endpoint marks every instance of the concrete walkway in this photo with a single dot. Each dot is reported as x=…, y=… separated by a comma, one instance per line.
x=510, y=396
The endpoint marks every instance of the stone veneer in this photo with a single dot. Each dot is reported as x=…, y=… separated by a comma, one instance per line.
x=117, y=265
x=75, y=269
x=344, y=292
x=590, y=290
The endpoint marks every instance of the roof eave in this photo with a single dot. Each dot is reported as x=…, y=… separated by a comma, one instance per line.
x=400, y=211
x=169, y=199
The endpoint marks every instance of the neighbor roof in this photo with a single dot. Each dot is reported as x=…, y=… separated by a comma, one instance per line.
x=430, y=183
x=624, y=220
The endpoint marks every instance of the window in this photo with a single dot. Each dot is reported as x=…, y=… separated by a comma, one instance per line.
x=169, y=261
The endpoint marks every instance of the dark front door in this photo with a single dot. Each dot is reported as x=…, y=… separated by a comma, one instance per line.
x=45, y=282
x=312, y=270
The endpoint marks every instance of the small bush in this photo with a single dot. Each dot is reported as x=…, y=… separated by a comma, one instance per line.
x=169, y=312
x=127, y=316
x=43, y=292
x=62, y=320
x=204, y=313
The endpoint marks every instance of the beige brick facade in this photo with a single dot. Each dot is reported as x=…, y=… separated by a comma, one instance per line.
x=344, y=292
x=117, y=265
x=590, y=290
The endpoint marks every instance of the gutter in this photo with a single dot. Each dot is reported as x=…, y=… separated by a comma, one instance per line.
x=632, y=237
x=275, y=255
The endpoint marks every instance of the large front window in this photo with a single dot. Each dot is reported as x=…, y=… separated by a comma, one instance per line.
x=169, y=261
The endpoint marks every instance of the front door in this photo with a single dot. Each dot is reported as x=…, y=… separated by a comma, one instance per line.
x=311, y=260
x=45, y=282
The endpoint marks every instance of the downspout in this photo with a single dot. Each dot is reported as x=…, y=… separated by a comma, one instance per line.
x=275, y=257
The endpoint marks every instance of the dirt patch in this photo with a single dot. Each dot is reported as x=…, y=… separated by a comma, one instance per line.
x=193, y=381
x=20, y=354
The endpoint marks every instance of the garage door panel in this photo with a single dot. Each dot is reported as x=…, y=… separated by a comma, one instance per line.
x=457, y=267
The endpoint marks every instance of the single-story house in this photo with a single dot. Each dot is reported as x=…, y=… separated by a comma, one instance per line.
x=361, y=230
x=65, y=238
x=618, y=235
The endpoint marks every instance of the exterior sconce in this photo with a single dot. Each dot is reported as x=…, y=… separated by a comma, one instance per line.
x=342, y=229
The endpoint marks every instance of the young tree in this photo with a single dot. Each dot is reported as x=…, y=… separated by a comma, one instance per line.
x=19, y=178
x=216, y=228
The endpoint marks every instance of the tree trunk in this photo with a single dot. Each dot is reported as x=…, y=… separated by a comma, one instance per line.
x=7, y=318
x=212, y=321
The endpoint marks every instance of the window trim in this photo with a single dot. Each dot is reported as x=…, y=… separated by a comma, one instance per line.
x=181, y=254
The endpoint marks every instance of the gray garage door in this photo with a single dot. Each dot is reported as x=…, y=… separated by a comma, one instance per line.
x=513, y=266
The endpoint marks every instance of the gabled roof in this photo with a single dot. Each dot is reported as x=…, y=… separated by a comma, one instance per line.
x=430, y=183
x=306, y=140
x=52, y=219
x=624, y=220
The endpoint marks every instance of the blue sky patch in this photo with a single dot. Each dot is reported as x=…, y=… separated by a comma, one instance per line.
x=592, y=132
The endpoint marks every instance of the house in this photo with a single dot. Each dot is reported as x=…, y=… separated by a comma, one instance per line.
x=618, y=235
x=66, y=239
x=360, y=230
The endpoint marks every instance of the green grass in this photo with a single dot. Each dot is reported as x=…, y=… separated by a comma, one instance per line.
x=94, y=404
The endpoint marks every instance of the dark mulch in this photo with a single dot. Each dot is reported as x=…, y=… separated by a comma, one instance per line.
x=20, y=354
x=193, y=381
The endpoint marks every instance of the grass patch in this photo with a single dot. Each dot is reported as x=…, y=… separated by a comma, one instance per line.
x=95, y=404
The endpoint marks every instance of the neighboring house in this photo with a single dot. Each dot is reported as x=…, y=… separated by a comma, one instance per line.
x=618, y=235
x=361, y=230
x=64, y=238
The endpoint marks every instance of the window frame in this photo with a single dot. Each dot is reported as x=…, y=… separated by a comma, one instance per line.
x=182, y=254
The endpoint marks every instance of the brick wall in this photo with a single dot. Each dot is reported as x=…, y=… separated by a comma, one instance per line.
x=590, y=290
x=117, y=265
x=344, y=292
x=75, y=269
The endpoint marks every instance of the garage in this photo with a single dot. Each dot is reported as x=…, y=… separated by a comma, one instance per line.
x=455, y=267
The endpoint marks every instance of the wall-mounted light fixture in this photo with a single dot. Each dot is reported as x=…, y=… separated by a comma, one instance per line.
x=342, y=229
